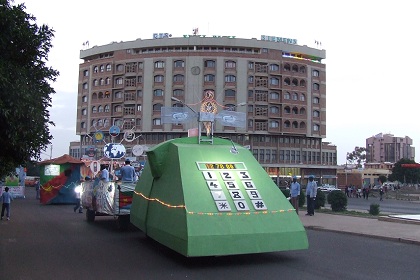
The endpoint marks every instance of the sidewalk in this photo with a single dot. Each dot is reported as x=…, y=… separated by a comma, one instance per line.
x=404, y=228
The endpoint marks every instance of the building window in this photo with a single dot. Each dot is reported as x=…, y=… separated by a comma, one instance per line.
x=82, y=125
x=294, y=82
x=119, y=81
x=230, y=64
x=274, y=124
x=274, y=110
x=120, y=68
x=86, y=73
x=108, y=67
x=118, y=95
x=287, y=110
x=295, y=124
x=139, y=79
x=302, y=83
x=101, y=82
x=294, y=68
x=209, y=78
x=286, y=95
x=139, y=93
x=157, y=121
x=178, y=78
x=286, y=67
x=316, y=100
x=179, y=64
x=294, y=96
x=178, y=92
x=274, y=67
x=274, y=95
x=315, y=73
x=302, y=97
x=209, y=64
x=287, y=124
x=250, y=79
x=138, y=107
x=84, y=98
x=287, y=82
x=250, y=65
x=157, y=107
x=316, y=86
x=316, y=114
x=274, y=81
x=106, y=109
x=100, y=109
x=118, y=108
x=84, y=112
x=159, y=64
x=230, y=93
x=316, y=127
x=158, y=79
x=95, y=69
x=230, y=79
x=101, y=68
x=158, y=92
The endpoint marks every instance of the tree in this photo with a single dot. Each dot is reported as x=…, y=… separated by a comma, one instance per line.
x=357, y=156
x=382, y=179
x=405, y=174
x=24, y=87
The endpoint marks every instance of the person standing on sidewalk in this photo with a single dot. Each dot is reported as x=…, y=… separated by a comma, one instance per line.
x=37, y=188
x=6, y=198
x=294, y=194
x=311, y=189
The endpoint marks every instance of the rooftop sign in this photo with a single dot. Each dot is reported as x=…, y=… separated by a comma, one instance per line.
x=279, y=39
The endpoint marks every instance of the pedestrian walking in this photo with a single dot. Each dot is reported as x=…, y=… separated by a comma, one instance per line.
x=78, y=205
x=381, y=194
x=6, y=198
x=311, y=189
x=294, y=194
x=37, y=188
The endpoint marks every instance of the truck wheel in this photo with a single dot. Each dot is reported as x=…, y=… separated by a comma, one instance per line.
x=123, y=222
x=90, y=215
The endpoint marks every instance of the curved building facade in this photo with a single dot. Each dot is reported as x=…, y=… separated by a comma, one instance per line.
x=282, y=85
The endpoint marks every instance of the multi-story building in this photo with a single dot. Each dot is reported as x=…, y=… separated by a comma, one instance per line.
x=283, y=85
x=388, y=148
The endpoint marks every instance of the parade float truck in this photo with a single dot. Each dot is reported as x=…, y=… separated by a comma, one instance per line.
x=213, y=198
x=113, y=198
x=100, y=198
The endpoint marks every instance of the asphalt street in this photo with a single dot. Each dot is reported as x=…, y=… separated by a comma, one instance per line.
x=53, y=242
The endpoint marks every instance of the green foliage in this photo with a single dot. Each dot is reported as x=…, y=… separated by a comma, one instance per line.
x=301, y=198
x=404, y=174
x=374, y=209
x=382, y=179
x=337, y=200
x=285, y=192
x=357, y=156
x=320, y=199
x=24, y=87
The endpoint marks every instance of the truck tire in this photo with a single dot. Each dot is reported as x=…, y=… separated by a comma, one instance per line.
x=90, y=215
x=123, y=222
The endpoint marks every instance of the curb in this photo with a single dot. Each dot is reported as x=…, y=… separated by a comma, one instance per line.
x=396, y=239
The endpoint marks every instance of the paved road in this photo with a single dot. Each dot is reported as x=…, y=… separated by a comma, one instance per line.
x=386, y=206
x=53, y=242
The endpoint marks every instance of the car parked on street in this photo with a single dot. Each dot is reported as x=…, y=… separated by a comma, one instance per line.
x=328, y=188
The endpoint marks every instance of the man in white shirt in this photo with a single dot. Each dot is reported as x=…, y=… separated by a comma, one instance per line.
x=311, y=189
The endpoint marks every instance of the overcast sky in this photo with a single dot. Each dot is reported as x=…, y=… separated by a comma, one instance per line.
x=371, y=48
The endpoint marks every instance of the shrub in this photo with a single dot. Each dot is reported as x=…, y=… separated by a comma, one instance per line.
x=285, y=192
x=374, y=209
x=337, y=200
x=320, y=199
x=302, y=198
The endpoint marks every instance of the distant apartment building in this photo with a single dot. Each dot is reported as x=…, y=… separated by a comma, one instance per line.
x=388, y=148
x=283, y=85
